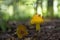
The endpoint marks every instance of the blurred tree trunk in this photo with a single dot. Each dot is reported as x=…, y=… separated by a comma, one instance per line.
x=14, y=8
x=50, y=9
x=38, y=2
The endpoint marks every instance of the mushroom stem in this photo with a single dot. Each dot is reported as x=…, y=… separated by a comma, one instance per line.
x=37, y=27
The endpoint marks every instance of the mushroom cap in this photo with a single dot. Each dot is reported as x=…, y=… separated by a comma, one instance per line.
x=37, y=19
x=21, y=31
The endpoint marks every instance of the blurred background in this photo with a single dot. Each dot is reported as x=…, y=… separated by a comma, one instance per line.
x=13, y=12
x=16, y=9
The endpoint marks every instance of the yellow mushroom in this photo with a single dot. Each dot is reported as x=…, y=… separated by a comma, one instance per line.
x=21, y=31
x=37, y=19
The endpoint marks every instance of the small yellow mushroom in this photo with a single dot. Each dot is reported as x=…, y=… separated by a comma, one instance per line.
x=37, y=19
x=22, y=31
